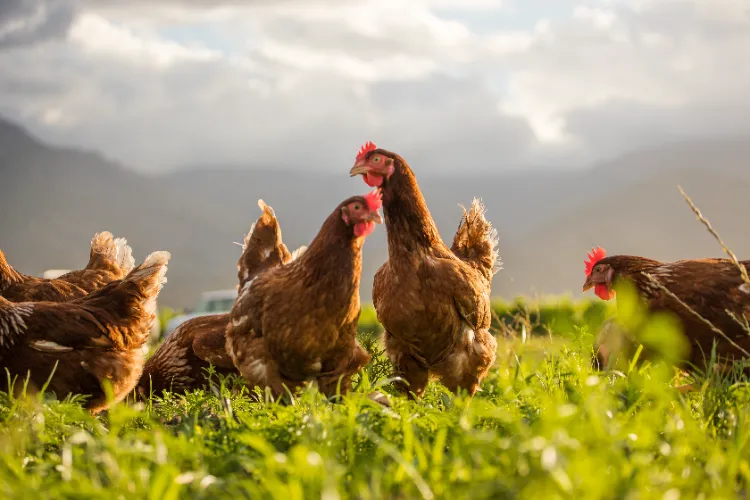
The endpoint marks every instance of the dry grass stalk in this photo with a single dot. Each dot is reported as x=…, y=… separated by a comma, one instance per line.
x=727, y=250
x=716, y=236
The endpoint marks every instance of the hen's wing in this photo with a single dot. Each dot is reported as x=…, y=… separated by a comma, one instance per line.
x=38, y=290
x=712, y=288
x=50, y=327
x=462, y=286
x=209, y=344
x=476, y=241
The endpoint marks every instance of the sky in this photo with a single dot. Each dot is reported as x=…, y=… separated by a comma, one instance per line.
x=488, y=85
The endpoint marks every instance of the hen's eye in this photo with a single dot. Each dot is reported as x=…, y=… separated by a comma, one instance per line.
x=375, y=159
x=356, y=206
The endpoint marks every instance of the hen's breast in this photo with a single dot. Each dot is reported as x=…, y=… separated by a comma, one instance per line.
x=416, y=305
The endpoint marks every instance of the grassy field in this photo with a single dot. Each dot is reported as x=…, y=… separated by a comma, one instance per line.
x=547, y=424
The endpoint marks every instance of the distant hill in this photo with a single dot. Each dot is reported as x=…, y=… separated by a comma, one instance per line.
x=649, y=219
x=53, y=199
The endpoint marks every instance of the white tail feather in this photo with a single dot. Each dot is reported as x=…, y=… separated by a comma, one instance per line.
x=102, y=244
x=154, y=260
x=49, y=346
x=298, y=253
x=125, y=260
x=116, y=251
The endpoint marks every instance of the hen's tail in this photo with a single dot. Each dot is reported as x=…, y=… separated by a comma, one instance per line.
x=476, y=241
x=134, y=297
x=8, y=275
x=262, y=248
x=148, y=278
x=108, y=253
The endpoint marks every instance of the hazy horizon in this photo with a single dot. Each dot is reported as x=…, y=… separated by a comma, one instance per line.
x=54, y=200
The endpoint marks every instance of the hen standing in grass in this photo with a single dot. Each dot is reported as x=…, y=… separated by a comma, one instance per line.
x=180, y=363
x=433, y=301
x=94, y=338
x=297, y=322
x=110, y=259
x=711, y=288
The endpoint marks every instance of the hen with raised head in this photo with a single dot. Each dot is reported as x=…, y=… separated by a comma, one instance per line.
x=433, y=301
x=706, y=291
x=110, y=259
x=94, y=338
x=297, y=322
x=180, y=363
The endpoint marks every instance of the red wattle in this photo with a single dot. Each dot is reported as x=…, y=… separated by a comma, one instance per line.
x=603, y=292
x=373, y=180
x=364, y=228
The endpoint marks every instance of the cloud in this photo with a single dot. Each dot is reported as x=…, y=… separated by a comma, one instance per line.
x=301, y=84
x=618, y=70
x=25, y=22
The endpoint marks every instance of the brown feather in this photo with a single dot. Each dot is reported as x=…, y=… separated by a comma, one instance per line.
x=180, y=363
x=434, y=302
x=93, y=338
x=109, y=260
x=297, y=322
x=709, y=287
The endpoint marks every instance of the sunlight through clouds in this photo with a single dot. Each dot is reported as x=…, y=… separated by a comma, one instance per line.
x=160, y=84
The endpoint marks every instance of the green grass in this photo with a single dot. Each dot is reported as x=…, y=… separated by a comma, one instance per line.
x=546, y=425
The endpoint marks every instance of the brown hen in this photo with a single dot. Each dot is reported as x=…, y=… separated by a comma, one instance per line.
x=710, y=288
x=433, y=301
x=110, y=259
x=94, y=338
x=180, y=363
x=297, y=323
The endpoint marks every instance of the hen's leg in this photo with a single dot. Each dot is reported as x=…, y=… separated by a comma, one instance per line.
x=348, y=363
x=469, y=362
x=407, y=367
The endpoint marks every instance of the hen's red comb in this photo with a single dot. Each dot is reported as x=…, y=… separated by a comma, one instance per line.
x=366, y=148
x=374, y=200
x=594, y=256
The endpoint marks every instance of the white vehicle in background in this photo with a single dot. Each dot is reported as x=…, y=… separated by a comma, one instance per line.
x=214, y=302
x=51, y=274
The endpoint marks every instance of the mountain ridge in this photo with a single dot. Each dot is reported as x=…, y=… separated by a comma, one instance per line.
x=53, y=199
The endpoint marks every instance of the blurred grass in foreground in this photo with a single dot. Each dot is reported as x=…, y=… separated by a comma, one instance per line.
x=547, y=424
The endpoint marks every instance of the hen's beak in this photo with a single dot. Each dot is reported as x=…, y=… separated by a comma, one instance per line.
x=589, y=284
x=374, y=217
x=358, y=169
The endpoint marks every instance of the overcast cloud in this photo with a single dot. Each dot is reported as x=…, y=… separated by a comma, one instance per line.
x=483, y=84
